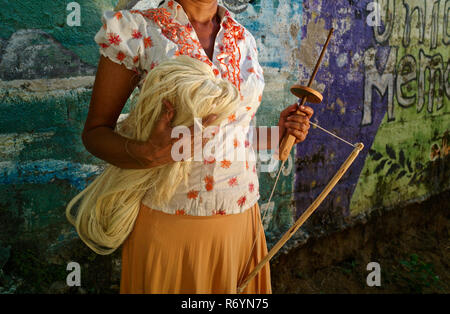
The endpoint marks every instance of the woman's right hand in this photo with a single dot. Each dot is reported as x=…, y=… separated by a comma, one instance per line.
x=157, y=150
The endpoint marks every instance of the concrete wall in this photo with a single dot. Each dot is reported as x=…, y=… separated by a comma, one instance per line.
x=385, y=86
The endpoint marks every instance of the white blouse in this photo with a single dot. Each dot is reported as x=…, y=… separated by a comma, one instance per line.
x=140, y=39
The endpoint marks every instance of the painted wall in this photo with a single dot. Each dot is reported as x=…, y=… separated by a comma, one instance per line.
x=385, y=86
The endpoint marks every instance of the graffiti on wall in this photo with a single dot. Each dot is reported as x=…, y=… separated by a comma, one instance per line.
x=415, y=83
x=386, y=86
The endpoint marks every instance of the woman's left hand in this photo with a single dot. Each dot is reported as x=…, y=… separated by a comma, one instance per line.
x=295, y=124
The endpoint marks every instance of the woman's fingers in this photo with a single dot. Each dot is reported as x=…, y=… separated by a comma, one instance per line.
x=294, y=126
x=205, y=122
x=168, y=106
x=292, y=111
x=288, y=110
x=163, y=123
x=209, y=119
x=307, y=110
x=297, y=122
x=163, y=140
x=298, y=118
x=299, y=135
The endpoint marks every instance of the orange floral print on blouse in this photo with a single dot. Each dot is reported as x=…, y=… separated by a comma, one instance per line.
x=192, y=194
x=209, y=183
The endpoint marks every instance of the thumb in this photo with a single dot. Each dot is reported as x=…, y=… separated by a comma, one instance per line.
x=293, y=107
x=288, y=110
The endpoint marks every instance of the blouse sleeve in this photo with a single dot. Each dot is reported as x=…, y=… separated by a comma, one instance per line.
x=121, y=39
x=253, y=53
x=252, y=70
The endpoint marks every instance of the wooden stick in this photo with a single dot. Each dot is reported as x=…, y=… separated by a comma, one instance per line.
x=288, y=139
x=322, y=53
x=301, y=220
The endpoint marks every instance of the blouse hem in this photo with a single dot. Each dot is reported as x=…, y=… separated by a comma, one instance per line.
x=205, y=212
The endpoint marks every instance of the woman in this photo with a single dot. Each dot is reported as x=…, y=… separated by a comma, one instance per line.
x=201, y=241
x=109, y=205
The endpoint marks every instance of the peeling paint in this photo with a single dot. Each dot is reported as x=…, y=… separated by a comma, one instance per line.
x=12, y=144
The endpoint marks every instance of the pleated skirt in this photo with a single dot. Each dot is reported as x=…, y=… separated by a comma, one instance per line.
x=182, y=254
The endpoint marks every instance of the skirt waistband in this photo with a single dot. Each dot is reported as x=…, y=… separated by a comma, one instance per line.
x=188, y=217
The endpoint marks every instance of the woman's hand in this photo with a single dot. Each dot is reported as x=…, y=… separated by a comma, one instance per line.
x=157, y=150
x=295, y=124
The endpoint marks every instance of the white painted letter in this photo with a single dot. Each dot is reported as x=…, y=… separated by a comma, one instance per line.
x=73, y=278
x=74, y=17
x=374, y=277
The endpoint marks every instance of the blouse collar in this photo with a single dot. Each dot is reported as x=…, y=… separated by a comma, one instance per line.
x=177, y=12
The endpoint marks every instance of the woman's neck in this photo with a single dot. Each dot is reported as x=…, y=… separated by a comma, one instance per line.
x=201, y=12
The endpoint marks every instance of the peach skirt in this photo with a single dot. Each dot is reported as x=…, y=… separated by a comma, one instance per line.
x=168, y=253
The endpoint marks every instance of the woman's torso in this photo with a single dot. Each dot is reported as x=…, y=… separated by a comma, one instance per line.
x=147, y=37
